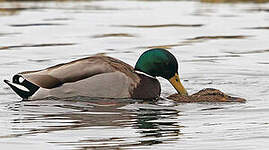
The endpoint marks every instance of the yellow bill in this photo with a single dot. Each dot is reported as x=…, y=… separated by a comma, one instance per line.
x=175, y=81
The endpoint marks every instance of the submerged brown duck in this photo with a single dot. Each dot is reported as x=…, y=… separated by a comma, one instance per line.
x=206, y=95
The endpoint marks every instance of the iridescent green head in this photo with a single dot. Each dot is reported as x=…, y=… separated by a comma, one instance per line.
x=160, y=62
x=157, y=62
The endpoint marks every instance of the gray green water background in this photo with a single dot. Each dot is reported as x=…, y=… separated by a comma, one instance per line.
x=219, y=45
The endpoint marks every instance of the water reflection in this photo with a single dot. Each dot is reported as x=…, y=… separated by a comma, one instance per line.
x=36, y=45
x=159, y=25
x=250, y=52
x=199, y=39
x=157, y=123
x=149, y=125
x=17, y=6
x=10, y=11
x=14, y=8
x=35, y=24
x=233, y=1
x=113, y=35
x=258, y=28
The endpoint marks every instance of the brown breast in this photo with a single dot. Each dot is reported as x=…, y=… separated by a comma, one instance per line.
x=147, y=88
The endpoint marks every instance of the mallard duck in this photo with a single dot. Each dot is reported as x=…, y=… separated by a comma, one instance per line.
x=101, y=77
x=206, y=95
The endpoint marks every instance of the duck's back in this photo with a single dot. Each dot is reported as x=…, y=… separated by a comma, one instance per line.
x=77, y=70
x=96, y=76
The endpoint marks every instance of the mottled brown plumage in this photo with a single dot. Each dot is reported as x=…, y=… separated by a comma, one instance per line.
x=206, y=95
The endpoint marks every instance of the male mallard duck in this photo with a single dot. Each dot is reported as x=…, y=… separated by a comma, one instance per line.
x=101, y=77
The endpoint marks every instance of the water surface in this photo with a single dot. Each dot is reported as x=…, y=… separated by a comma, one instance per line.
x=219, y=45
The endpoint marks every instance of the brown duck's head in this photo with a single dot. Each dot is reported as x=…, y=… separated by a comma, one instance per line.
x=160, y=62
x=206, y=95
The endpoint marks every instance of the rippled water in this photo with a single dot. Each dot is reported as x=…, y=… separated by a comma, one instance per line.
x=224, y=46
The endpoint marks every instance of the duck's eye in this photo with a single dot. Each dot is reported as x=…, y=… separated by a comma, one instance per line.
x=21, y=79
x=176, y=79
